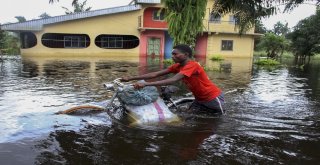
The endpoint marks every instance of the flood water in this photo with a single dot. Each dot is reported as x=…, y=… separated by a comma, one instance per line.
x=272, y=115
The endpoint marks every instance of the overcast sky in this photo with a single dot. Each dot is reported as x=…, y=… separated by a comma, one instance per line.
x=32, y=9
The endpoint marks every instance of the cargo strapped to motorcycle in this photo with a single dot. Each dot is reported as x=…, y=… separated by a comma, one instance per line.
x=144, y=96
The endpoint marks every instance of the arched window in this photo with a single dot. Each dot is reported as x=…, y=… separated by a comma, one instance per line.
x=65, y=40
x=28, y=40
x=112, y=41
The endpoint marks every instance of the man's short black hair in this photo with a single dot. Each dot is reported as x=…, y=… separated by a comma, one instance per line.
x=183, y=48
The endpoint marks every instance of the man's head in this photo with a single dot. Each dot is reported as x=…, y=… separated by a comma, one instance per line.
x=181, y=53
x=183, y=48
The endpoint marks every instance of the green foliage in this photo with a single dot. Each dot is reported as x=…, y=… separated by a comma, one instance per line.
x=281, y=29
x=316, y=57
x=21, y=18
x=259, y=27
x=168, y=62
x=207, y=68
x=287, y=54
x=44, y=15
x=306, y=36
x=77, y=7
x=185, y=20
x=9, y=44
x=248, y=11
x=216, y=58
x=2, y=38
x=273, y=44
x=267, y=62
x=260, y=54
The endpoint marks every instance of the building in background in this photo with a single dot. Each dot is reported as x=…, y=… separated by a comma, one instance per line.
x=137, y=29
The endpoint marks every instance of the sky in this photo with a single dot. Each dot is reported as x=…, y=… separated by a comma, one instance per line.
x=32, y=9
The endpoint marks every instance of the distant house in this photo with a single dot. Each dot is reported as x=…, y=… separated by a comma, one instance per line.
x=137, y=29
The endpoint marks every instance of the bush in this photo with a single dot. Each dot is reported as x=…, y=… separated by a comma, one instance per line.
x=216, y=58
x=287, y=54
x=260, y=53
x=168, y=62
x=267, y=62
x=316, y=57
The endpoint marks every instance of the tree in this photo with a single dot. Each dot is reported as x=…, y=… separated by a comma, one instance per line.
x=77, y=7
x=9, y=44
x=2, y=34
x=273, y=44
x=248, y=11
x=44, y=15
x=184, y=19
x=2, y=38
x=259, y=28
x=281, y=29
x=73, y=2
x=306, y=37
x=21, y=18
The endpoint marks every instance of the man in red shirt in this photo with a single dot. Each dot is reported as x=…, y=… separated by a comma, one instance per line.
x=206, y=93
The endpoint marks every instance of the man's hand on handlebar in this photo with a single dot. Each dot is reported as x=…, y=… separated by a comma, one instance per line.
x=139, y=85
x=125, y=79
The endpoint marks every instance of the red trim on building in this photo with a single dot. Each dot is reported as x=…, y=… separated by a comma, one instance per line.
x=148, y=21
x=144, y=41
x=201, y=46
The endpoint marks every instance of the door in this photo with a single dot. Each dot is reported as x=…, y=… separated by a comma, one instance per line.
x=153, y=47
x=153, y=50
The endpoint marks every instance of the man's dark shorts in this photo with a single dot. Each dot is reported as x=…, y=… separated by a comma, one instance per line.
x=213, y=106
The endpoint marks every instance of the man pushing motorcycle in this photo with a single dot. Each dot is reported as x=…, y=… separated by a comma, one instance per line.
x=206, y=93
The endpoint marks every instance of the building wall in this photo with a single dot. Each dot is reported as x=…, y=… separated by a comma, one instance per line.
x=224, y=26
x=127, y=24
x=121, y=23
x=242, y=45
x=226, y=30
x=144, y=41
x=149, y=22
x=201, y=46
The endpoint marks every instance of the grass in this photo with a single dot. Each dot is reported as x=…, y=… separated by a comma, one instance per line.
x=216, y=58
x=206, y=68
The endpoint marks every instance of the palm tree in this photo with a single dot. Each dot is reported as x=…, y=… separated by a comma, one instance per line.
x=77, y=7
x=248, y=11
x=21, y=18
x=73, y=2
x=44, y=15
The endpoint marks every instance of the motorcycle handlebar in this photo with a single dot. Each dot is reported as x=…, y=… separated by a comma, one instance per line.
x=110, y=86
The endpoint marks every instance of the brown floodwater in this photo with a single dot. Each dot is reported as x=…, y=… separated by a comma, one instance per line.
x=272, y=115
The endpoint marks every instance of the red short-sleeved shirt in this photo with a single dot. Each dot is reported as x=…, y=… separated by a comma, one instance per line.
x=196, y=80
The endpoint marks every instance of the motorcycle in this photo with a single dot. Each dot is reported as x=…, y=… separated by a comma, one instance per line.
x=163, y=109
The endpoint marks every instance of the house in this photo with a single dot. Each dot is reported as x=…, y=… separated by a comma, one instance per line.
x=137, y=29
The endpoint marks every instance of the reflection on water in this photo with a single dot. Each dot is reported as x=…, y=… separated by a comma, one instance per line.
x=272, y=115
